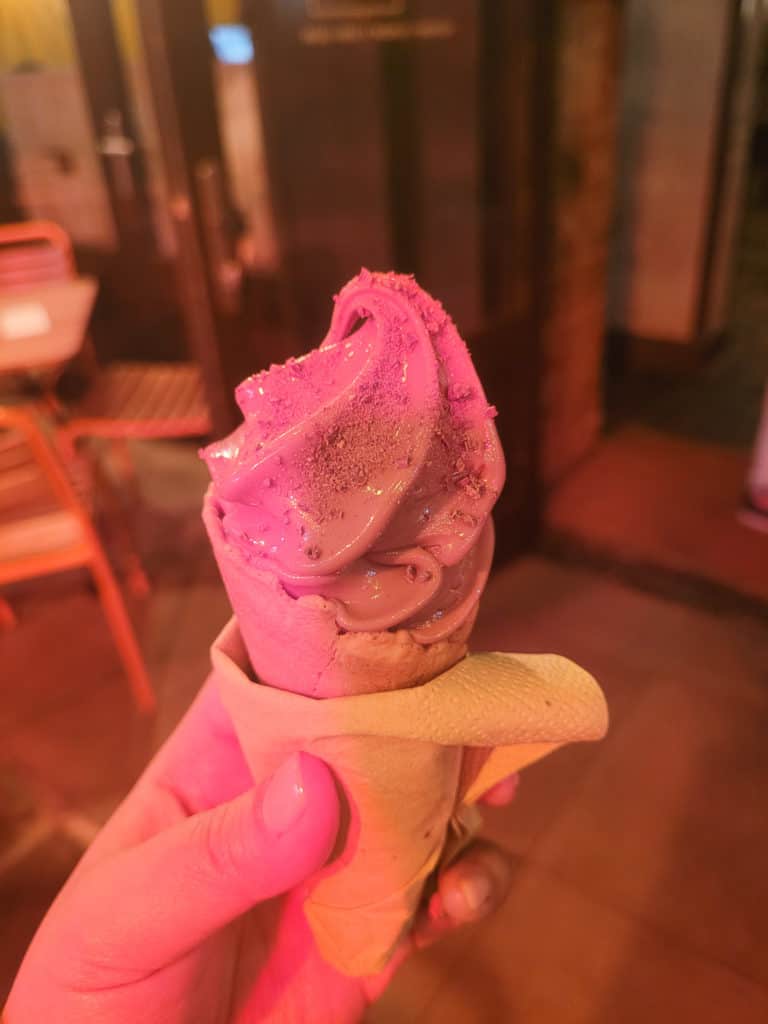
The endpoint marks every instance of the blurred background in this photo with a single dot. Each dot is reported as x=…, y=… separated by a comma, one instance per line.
x=584, y=184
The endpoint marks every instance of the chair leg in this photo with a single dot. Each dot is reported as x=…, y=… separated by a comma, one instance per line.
x=123, y=633
x=7, y=616
x=121, y=453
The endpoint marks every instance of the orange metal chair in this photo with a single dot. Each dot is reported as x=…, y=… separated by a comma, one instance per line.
x=44, y=529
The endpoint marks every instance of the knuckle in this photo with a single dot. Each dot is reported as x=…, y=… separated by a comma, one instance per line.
x=222, y=841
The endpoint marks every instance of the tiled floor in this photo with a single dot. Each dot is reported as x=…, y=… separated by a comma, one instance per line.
x=640, y=887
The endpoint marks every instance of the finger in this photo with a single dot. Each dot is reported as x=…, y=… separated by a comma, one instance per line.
x=470, y=889
x=502, y=793
x=150, y=904
x=484, y=871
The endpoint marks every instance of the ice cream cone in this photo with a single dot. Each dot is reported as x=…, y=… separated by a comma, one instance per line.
x=409, y=762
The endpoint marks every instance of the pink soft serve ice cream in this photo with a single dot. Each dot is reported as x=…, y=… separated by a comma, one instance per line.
x=365, y=471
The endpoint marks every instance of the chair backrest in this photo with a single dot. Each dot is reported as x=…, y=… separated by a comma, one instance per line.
x=34, y=252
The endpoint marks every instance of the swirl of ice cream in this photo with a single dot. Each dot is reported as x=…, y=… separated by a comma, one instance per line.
x=366, y=470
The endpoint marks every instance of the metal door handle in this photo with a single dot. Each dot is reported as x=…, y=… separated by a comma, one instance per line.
x=116, y=145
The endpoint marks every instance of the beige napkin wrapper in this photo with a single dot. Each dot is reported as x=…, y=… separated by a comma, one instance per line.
x=410, y=762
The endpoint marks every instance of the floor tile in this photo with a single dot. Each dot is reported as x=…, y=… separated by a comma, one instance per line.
x=555, y=956
x=85, y=751
x=43, y=668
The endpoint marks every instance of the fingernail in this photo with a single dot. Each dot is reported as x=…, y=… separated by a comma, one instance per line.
x=284, y=798
x=475, y=889
x=468, y=896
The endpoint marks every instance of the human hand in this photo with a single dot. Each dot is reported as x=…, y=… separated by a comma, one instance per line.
x=171, y=915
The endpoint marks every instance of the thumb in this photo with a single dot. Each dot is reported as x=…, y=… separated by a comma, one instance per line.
x=154, y=902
